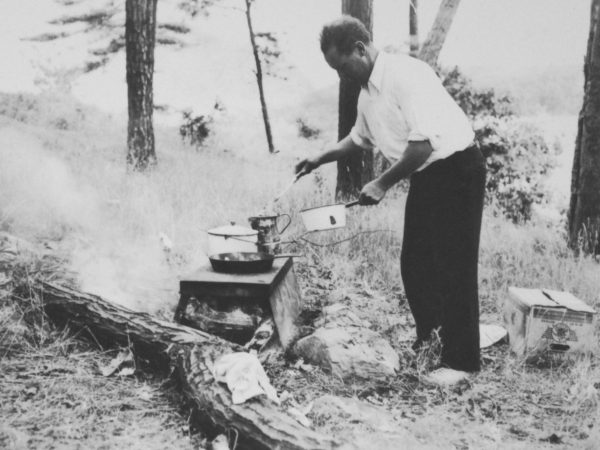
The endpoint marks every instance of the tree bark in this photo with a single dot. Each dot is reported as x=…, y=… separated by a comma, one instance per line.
x=259, y=78
x=584, y=208
x=140, y=31
x=437, y=35
x=259, y=423
x=413, y=27
x=355, y=171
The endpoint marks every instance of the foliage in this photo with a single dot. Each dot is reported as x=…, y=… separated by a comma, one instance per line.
x=474, y=101
x=307, y=130
x=105, y=21
x=196, y=128
x=517, y=155
x=267, y=46
x=517, y=159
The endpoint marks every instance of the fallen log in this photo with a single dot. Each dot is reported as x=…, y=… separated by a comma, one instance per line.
x=259, y=423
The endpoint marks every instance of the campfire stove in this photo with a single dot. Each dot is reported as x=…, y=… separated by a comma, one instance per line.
x=233, y=305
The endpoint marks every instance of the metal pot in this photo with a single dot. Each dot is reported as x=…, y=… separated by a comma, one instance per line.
x=232, y=238
x=326, y=217
x=269, y=231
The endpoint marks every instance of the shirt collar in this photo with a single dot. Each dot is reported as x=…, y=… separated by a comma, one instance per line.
x=376, y=78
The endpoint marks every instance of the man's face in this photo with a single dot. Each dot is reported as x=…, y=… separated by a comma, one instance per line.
x=353, y=66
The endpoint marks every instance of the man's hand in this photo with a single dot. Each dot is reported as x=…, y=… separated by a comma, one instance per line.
x=372, y=193
x=306, y=166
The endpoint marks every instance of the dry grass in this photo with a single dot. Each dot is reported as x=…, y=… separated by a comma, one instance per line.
x=52, y=391
x=107, y=222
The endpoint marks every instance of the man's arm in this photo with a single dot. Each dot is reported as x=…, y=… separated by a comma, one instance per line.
x=414, y=156
x=343, y=148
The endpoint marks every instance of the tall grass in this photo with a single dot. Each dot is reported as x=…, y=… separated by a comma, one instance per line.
x=63, y=180
x=69, y=182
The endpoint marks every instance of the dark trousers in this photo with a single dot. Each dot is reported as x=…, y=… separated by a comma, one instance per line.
x=440, y=252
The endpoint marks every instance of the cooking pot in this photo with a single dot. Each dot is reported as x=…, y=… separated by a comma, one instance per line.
x=243, y=262
x=269, y=231
x=232, y=238
x=325, y=217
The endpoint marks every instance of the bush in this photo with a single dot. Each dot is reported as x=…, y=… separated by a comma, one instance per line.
x=196, y=129
x=517, y=159
x=517, y=156
x=307, y=131
x=473, y=101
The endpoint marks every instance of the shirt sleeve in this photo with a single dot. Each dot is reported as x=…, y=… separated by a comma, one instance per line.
x=415, y=95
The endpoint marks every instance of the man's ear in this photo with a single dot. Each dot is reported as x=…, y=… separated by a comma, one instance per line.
x=361, y=47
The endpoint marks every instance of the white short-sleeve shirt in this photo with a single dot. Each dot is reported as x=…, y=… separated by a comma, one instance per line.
x=403, y=101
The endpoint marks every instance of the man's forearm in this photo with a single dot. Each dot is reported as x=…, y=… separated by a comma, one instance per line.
x=345, y=147
x=414, y=156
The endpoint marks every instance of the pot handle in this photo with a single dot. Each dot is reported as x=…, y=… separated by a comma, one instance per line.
x=353, y=203
x=286, y=225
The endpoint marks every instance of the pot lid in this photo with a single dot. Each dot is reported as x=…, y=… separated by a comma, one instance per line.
x=232, y=230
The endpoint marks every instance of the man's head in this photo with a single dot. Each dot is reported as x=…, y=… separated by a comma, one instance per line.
x=347, y=47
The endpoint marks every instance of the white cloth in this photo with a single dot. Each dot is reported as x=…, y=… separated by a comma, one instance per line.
x=244, y=376
x=403, y=101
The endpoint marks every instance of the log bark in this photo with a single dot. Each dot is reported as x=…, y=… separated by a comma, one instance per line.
x=355, y=171
x=140, y=34
x=584, y=208
x=259, y=78
x=437, y=35
x=413, y=27
x=259, y=423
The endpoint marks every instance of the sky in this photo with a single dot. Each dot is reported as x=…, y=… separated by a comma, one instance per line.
x=506, y=38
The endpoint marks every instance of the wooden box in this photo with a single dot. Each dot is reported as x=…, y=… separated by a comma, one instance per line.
x=232, y=306
x=540, y=320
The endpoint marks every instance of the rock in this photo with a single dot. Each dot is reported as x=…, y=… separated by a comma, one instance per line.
x=365, y=425
x=350, y=352
x=344, y=346
x=338, y=315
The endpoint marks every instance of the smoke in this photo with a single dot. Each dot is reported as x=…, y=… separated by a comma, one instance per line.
x=42, y=197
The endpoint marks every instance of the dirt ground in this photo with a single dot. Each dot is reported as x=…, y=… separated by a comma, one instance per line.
x=53, y=393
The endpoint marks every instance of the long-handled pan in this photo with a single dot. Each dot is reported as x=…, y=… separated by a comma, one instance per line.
x=244, y=262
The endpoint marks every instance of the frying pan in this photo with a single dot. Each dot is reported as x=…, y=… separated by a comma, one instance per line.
x=244, y=262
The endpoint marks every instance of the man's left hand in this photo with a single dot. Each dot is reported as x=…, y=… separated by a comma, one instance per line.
x=371, y=193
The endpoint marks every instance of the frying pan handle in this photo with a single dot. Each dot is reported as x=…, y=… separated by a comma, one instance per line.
x=353, y=203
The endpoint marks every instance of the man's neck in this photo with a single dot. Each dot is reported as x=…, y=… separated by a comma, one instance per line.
x=372, y=53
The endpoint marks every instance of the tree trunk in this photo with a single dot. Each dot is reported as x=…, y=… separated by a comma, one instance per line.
x=140, y=30
x=259, y=423
x=259, y=78
x=355, y=171
x=437, y=35
x=584, y=208
x=413, y=26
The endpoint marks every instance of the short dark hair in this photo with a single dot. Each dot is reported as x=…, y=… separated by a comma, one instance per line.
x=343, y=33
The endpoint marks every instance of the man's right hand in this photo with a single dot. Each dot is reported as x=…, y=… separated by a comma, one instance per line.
x=306, y=166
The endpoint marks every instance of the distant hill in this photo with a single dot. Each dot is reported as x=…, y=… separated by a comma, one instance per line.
x=552, y=90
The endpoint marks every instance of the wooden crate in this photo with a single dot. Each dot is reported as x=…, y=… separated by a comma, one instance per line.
x=232, y=305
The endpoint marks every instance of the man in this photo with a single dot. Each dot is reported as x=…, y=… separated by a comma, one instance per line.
x=405, y=112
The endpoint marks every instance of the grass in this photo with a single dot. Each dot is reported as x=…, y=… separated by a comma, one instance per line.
x=63, y=184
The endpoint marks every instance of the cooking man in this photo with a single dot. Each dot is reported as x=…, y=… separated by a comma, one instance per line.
x=405, y=112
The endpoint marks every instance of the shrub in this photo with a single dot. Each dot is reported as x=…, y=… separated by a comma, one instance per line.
x=517, y=156
x=517, y=159
x=307, y=131
x=474, y=101
x=196, y=129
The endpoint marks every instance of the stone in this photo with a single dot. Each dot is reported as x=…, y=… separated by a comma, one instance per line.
x=350, y=352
